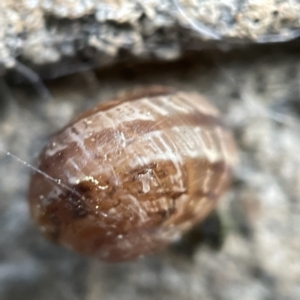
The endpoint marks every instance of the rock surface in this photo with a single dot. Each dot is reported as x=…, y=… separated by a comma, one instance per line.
x=257, y=89
x=43, y=32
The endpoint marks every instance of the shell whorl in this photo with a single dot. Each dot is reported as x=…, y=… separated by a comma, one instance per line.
x=140, y=171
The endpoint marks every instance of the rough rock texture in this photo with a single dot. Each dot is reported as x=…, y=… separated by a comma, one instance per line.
x=42, y=32
x=257, y=89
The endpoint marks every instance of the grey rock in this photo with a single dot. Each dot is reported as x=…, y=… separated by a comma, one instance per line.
x=46, y=32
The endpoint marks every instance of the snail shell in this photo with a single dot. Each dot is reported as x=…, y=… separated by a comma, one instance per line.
x=132, y=175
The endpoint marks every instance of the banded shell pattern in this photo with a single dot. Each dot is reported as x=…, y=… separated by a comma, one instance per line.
x=132, y=175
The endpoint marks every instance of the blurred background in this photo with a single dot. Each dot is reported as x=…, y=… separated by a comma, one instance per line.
x=60, y=59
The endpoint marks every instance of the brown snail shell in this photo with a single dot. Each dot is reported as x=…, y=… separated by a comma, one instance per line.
x=132, y=175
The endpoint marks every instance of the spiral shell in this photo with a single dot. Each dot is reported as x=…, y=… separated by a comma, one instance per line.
x=132, y=175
